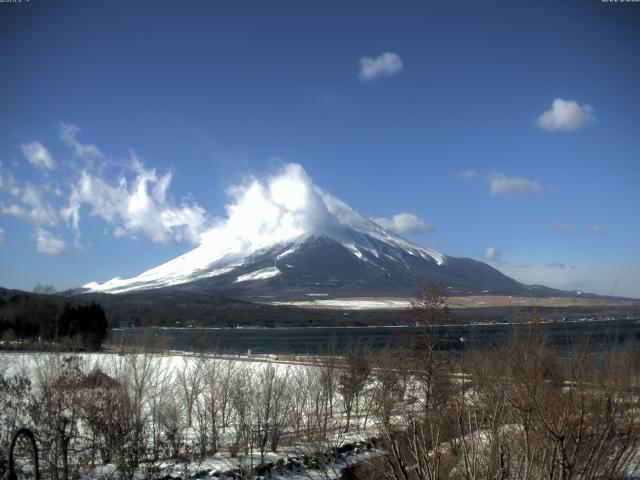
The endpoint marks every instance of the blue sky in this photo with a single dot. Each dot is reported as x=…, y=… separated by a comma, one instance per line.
x=508, y=131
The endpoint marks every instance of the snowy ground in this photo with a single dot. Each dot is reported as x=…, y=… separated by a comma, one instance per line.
x=290, y=462
x=351, y=303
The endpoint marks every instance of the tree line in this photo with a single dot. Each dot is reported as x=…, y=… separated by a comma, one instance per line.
x=35, y=320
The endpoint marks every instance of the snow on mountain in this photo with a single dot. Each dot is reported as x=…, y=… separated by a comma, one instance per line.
x=274, y=218
x=259, y=274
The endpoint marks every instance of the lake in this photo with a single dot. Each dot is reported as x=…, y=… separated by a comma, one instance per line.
x=603, y=335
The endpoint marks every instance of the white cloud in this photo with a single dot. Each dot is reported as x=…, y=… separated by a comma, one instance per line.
x=282, y=207
x=138, y=205
x=68, y=135
x=405, y=223
x=11, y=185
x=597, y=230
x=387, y=64
x=566, y=115
x=564, y=228
x=500, y=184
x=48, y=243
x=468, y=173
x=31, y=207
x=38, y=155
x=1, y=236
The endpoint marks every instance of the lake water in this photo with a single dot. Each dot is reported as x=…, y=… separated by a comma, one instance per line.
x=602, y=334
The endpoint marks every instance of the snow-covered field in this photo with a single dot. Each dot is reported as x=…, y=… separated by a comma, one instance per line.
x=263, y=398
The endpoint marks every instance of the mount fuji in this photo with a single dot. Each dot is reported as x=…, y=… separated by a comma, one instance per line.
x=287, y=239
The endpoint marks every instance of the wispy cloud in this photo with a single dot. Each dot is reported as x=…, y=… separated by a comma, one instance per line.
x=406, y=223
x=136, y=202
x=1, y=236
x=596, y=229
x=385, y=65
x=468, y=173
x=29, y=206
x=563, y=228
x=569, y=229
x=500, y=184
x=38, y=155
x=566, y=115
x=561, y=265
x=48, y=243
x=69, y=134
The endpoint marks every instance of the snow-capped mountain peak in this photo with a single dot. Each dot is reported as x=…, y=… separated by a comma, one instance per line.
x=271, y=220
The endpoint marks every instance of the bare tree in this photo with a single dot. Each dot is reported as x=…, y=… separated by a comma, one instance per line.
x=189, y=379
x=299, y=398
x=352, y=379
x=55, y=412
x=242, y=393
x=218, y=381
x=16, y=389
x=429, y=311
x=270, y=407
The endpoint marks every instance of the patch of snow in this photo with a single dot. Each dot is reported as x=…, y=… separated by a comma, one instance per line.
x=259, y=274
x=153, y=278
x=351, y=303
x=353, y=249
x=287, y=252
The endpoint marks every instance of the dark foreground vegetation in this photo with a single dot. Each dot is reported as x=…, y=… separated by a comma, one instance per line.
x=514, y=411
x=43, y=322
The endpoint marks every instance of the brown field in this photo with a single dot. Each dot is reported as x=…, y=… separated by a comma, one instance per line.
x=479, y=301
